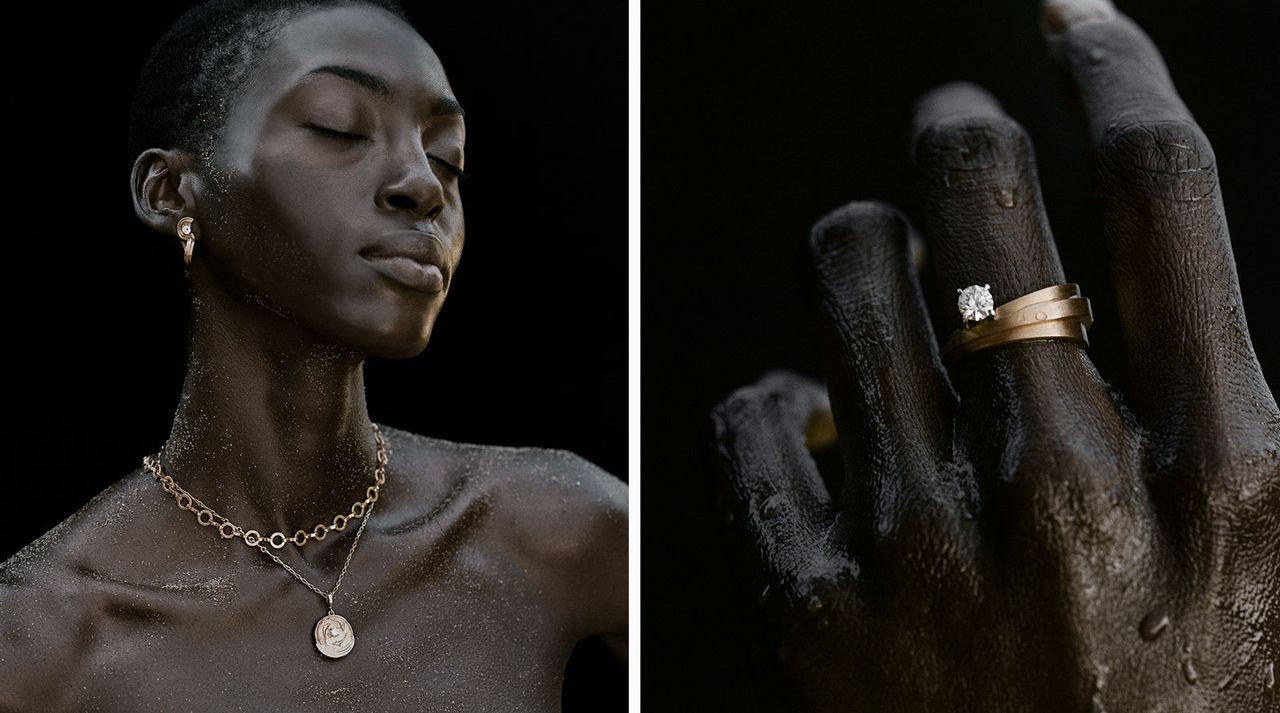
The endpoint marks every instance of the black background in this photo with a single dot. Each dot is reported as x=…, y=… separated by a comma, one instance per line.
x=530, y=349
x=759, y=121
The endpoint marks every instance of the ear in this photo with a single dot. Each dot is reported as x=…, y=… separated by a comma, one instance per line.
x=163, y=189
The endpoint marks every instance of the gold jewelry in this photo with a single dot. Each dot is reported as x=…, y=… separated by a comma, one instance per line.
x=188, y=238
x=1057, y=312
x=333, y=634
x=210, y=518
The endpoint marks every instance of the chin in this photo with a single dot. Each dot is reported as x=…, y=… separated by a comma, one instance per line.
x=392, y=345
x=385, y=328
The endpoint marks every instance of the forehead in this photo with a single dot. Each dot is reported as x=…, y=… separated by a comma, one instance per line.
x=368, y=38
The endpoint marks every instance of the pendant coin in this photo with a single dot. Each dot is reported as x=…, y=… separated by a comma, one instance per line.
x=334, y=637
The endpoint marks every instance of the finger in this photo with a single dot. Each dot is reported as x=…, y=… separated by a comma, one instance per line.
x=775, y=490
x=980, y=196
x=982, y=210
x=1178, y=296
x=890, y=395
x=1024, y=404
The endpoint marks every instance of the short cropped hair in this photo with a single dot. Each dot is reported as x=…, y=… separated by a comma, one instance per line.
x=202, y=60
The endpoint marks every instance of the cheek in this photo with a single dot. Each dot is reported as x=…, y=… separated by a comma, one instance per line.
x=285, y=239
x=451, y=227
x=458, y=235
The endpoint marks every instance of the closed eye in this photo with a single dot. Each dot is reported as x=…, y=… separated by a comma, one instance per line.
x=344, y=136
x=331, y=133
x=448, y=166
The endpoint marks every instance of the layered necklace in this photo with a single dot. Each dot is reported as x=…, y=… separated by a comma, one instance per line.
x=333, y=634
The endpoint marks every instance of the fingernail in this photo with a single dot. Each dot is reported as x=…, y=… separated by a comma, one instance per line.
x=1058, y=15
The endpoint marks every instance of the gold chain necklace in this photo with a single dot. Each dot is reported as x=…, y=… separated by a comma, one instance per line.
x=333, y=634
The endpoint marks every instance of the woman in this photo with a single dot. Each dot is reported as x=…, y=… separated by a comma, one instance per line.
x=306, y=159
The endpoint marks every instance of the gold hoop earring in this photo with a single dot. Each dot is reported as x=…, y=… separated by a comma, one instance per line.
x=188, y=238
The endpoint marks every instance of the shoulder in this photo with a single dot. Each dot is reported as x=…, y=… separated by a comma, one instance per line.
x=55, y=554
x=530, y=482
x=558, y=511
x=570, y=517
x=46, y=595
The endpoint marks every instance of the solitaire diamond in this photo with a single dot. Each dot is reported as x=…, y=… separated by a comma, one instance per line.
x=976, y=303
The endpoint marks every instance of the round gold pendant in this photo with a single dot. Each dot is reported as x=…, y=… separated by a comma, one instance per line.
x=334, y=637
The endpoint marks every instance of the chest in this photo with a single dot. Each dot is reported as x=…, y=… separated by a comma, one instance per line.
x=457, y=629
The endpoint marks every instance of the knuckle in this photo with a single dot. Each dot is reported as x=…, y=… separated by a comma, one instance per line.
x=973, y=144
x=1167, y=158
x=1230, y=473
x=1067, y=485
x=926, y=544
x=825, y=587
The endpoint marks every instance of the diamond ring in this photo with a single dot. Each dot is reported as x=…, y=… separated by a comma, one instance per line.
x=1055, y=312
x=976, y=303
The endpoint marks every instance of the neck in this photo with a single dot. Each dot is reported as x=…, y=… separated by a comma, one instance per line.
x=272, y=430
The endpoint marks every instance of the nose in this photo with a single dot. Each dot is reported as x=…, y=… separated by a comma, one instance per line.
x=415, y=186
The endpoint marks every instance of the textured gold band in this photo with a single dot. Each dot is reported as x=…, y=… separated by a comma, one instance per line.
x=1057, y=312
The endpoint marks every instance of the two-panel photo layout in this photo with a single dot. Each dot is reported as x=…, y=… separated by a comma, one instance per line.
x=827, y=357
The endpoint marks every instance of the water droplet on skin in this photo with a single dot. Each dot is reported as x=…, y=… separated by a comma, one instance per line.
x=1100, y=672
x=1189, y=672
x=764, y=595
x=823, y=623
x=1096, y=55
x=815, y=603
x=1271, y=675
x=1004, y=197
x=1096, y=705
x=769, y=510
x=1153, y=624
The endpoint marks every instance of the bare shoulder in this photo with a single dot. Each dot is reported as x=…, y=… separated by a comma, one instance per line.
x=46, y=594
x=66, y=548
x=531, y=482
x=564, y=514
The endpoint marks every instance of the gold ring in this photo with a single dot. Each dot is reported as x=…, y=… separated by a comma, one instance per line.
x=1057, y=312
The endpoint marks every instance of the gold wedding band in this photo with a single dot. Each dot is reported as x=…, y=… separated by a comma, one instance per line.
x=1057, y=312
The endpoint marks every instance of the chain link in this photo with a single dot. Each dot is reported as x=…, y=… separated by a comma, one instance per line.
x=208, y=517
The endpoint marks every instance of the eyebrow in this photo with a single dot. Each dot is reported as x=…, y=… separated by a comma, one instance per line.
x=442, y=106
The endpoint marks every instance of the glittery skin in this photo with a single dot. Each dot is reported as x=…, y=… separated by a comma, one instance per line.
x=480, y=567
x=1013, y=531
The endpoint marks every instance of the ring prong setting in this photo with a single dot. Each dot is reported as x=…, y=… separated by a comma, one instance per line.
x=975, y=303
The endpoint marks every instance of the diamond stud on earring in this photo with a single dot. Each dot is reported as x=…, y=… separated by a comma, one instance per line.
x=188, y=238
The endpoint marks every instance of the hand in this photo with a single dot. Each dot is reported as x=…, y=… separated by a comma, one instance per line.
x=1017, y=534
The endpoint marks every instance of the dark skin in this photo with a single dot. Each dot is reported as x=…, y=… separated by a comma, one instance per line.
x=1012, y=532
x=480, y=567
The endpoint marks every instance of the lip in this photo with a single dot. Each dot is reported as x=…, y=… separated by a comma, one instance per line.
x=412, y=258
